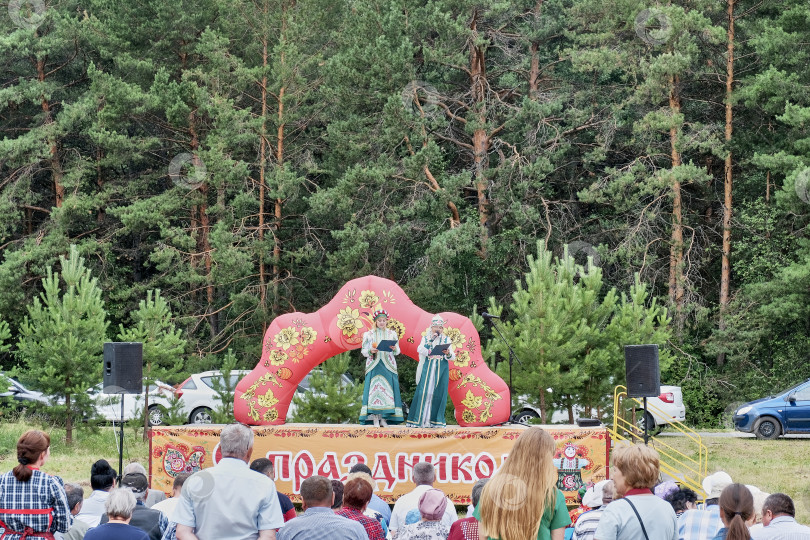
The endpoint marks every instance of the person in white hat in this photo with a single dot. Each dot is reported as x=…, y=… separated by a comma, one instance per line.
x=596, y=497
x=432, y=377
x=702, y=524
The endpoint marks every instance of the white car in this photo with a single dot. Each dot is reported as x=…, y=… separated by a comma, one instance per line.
x=199, y=399
x=198, y=396
x=109, y=405
x=662, y=410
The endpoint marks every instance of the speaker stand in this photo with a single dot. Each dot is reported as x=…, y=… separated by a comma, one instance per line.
x=121, y=443
x=646, y=427
x=512, y=358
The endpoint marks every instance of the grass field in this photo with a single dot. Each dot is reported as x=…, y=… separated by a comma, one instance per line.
x=73, y=463
x=773, y=466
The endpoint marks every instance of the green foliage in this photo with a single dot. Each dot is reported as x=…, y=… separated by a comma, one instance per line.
x=5, y=335
x=329, y=401
x=568, y=332
x=431, y=143
x=61, y=338
x=224, y=388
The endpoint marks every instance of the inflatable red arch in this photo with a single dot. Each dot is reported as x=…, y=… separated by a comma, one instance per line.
x=297, y=342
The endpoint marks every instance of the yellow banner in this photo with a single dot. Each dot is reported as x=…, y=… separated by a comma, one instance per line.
x=461, y=455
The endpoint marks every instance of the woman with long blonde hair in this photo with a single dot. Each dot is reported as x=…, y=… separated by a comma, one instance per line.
x=521, y=501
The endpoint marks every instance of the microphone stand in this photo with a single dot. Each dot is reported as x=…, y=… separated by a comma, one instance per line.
x=512, y=356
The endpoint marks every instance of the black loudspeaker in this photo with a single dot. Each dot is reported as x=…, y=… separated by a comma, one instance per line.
x=123, y=368
x=642, y=371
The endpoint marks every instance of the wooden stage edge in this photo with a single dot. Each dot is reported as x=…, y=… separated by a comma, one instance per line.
x=461, y=455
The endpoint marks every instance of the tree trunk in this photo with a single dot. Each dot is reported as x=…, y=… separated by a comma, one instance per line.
x=725, y=271
x=262, y=176
x=203, y=238
x=534, y=66
x=480, y=139
x=543, y=406
x=53, y=144
x=68, y=421
x=676, y=277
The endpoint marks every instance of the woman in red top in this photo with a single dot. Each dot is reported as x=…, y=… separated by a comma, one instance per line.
x=356, y=496
x=32, y=504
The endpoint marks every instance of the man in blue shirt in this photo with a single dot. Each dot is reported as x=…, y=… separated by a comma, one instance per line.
x=319, y=522
x=778, y=520
x=229, y=501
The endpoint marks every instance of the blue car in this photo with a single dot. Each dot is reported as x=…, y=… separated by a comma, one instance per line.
x=767, y=418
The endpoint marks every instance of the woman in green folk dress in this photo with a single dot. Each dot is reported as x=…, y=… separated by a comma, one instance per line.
x=382, y=403
x=432, y=378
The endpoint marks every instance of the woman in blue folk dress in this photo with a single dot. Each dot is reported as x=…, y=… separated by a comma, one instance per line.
x=382, y=403
x=432, y=378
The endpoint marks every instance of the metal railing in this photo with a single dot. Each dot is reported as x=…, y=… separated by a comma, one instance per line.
x=687, y=470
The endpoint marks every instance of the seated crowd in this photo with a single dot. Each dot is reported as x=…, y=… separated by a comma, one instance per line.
x=237, y=499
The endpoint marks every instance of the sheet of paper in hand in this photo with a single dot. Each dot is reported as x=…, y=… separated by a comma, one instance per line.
x=440, y=350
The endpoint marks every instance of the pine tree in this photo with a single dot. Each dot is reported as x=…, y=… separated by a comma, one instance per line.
x=61, y=338
x=163, y=344
x=329, y=400
x=568, y=333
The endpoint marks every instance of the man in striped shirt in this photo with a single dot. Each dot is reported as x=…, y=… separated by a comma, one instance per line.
x=598, y=497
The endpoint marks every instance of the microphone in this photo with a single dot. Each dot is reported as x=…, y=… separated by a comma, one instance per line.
x=488, y=316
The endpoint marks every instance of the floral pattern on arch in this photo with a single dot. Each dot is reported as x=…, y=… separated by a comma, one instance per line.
x=295, y=343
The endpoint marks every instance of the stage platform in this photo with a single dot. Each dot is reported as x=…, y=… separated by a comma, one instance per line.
x=461, y=455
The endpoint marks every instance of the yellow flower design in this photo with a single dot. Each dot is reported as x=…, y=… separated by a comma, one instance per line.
x=277, y=358
x=286, y=338
x=397, y=327
x=368, y=299
x=468, y=416
x=267, y=400
x=456, y=337
x=462, y=359
x=308, y=335
x=270, y=415
x=348, y=320
x=471, y=401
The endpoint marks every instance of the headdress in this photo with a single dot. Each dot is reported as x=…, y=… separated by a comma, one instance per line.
x=437, y=321
x=379, y=313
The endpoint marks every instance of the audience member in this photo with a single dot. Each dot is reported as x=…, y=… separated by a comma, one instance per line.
x=663, y=489
x=528, y=482
x=640, y=514
x=75, y=498
x=337, y=489
x=736, y=512
x=102, y=480
x=26, y=488
x=682, y=499
x=424, y=475
x=778, y=518
x=167, y=506
x=356, y=495
x=376, y=503
x=150, y=521
x=432, y=505
x=467, y=528
x=153, y=496
x=229, y=501
x=597, y=497
x=759, y=501
x=118, y=507
x=319, y=522
x=266, y=467
x=702, y=524
x=370, y=512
